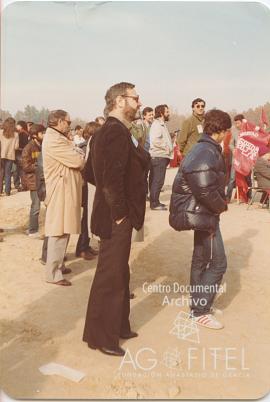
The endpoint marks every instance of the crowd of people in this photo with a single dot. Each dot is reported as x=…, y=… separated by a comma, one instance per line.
x=96, y=181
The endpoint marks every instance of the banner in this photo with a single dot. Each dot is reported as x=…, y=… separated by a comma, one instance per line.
x=251, y=141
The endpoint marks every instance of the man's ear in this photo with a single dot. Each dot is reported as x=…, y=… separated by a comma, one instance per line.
x=120, y=101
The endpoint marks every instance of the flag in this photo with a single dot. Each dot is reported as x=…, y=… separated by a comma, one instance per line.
x=248, y=147
x=264, y=119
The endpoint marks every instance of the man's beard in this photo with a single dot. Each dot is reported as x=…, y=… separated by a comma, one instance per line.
x=167, y=118
x=131, y=114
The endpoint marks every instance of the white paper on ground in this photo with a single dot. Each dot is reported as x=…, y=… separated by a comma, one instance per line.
x=64, y=371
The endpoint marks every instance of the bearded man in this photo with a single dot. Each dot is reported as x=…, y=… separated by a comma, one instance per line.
x=117, y=166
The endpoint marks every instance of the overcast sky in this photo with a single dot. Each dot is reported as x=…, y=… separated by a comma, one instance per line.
x=66, y=55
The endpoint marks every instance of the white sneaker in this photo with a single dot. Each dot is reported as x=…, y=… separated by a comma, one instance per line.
x=208, y=321
x=34, y=235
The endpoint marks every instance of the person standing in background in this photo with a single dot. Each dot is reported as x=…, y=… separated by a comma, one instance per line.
x=9, y=143
x=192, y=128
x=161, y=151
x=62, y=164
x=140, y=132
x=30, y=155
x=78, y=136
x=83, y=248
x=21, y=128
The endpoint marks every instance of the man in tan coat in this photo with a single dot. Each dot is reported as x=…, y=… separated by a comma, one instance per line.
x=62, y=164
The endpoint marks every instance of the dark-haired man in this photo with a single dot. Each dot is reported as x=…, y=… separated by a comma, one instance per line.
x=141, y=129
x=161, y=151
x=62, y=164
x=192, y=128
x=118, y=165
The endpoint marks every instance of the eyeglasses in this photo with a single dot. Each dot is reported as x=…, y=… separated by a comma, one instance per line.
x=200, y=106
x=136, y=98
x=68, y=122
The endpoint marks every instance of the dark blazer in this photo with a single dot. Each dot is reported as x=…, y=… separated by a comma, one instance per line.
x=198, y=196
x=117, y=168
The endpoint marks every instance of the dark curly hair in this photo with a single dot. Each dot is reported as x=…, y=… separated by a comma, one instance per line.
x=216, y=121
x=35, y=129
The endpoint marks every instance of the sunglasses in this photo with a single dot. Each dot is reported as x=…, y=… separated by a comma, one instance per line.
x=200, y=106
x=136, y=98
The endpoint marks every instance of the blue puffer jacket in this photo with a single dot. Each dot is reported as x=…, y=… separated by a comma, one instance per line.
x=198, y=194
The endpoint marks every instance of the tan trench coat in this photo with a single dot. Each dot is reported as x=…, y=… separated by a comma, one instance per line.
x=62, y=165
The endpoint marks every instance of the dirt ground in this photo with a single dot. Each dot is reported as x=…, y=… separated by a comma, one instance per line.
x=43, y=323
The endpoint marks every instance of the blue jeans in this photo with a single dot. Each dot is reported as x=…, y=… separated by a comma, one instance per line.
x=157, y=178
x=18, y=172
x=206, y=271
x=34, y=212
x=6, y=166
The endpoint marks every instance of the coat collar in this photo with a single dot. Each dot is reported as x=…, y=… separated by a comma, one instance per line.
x=124, y=122
x=207, y=138
x=54, y=129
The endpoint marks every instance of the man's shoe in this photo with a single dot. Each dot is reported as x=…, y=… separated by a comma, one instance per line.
x=162, y=205
x=93, y=251
x=66, y=271
x=130, y=335
x=159, y=208
x=63, y=282
x=112, y=352
x=86, y=255
x=42, y=261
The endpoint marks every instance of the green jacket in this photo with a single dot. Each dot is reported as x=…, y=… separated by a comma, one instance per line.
x=141, y=133
x=191, y=131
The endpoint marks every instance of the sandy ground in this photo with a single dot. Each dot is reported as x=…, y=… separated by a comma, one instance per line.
x=42, y=323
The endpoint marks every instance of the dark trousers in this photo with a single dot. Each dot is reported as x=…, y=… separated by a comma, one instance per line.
x=83, y=240
x=44, y=249
x=157, y=179
x=18, y=173
x=34, y=212
x=148, y=178
x=205, y=270
x=108, y=308
x=5, y=172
